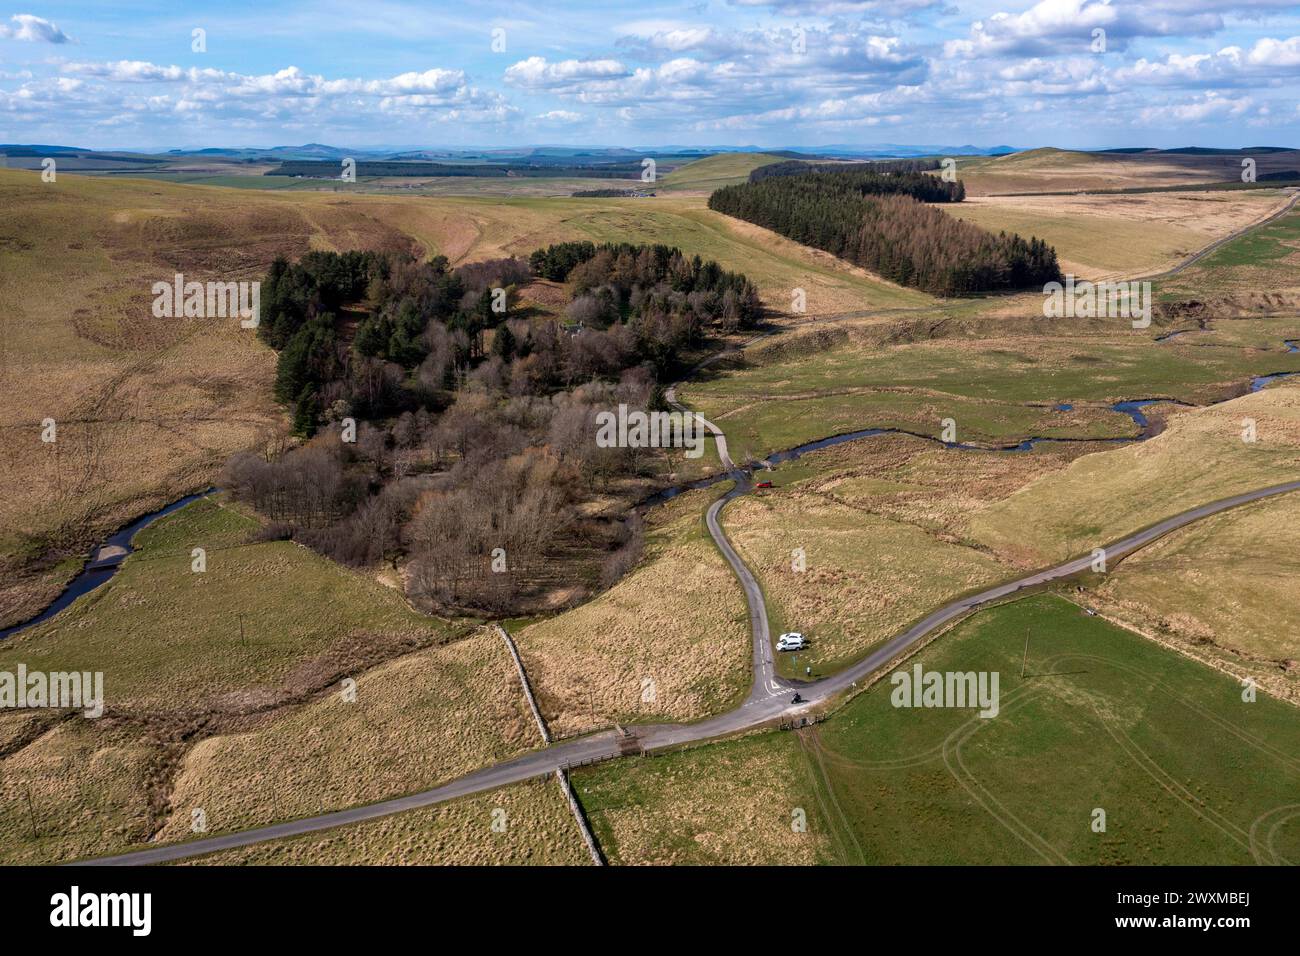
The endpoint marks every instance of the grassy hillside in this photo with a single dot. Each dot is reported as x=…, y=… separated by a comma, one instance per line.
x=1098, y=237
x=678, y=621
x=714, y=172
x=539, y=830
x=1050, y=170
x=162, y=633
x=1101, y=720
x=1266, y=261
x=812, y=383
x=865, y=577
x=1221, y=588
x=222, y=693
x=148, y=408
x=1200, y=457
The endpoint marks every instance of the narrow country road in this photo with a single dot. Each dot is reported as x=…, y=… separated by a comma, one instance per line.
x=766, y=683
x=768, y=700
x=1219, y=243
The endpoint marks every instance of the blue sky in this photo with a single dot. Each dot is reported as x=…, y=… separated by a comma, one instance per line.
x=763, y=72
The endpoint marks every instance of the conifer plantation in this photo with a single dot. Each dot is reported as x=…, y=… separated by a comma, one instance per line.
x=881, y=221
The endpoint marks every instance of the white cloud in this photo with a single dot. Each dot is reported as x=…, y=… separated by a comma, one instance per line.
x=1064, y=26
x=130, y=71
x=537, y=73
x=33, y=29
x=695, y=75
x=1211, y=106
x=788, y=67
x=830, y=8
x=439, y=94
x=1268, y=61
x=1267, y=52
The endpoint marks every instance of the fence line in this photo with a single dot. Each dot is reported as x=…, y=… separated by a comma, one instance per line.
x=587, y=836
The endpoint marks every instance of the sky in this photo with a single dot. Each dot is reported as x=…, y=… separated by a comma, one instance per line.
x=804, y=73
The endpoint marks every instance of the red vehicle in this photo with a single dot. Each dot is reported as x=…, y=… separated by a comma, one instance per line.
x=763, y=484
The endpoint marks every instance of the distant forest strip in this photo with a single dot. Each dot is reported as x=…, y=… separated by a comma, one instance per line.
x=880, y=221
x=611, y=194
x=796, y=167
x=331, y=169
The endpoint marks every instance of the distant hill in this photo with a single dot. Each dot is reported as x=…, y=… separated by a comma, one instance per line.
x=714, y=172
x=995, y=169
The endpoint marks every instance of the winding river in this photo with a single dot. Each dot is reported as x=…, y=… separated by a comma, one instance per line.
x=104, y=561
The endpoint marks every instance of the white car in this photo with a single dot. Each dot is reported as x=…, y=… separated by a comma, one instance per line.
x=794, y=641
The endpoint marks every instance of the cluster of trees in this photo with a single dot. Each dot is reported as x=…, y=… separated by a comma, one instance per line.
x=625, y=282
x=846, y=184
x=319, y=282
x=795, y=167
x=477, y=500
x=375, y=334
x=862, y=217
x=442, y=429
x=651, y=299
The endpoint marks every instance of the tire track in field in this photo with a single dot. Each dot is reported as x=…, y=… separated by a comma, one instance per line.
x=1172, y=787
x=956, y=765
x=1245, y=736
x=916, y=759
x=1264, y=852
x=815, y=766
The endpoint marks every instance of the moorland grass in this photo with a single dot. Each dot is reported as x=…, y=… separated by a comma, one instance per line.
x=1185, y=770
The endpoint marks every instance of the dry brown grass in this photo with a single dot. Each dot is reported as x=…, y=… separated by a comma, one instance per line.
x=1101, y=497
x=867, y=577
x=539, y=831
x=1050, y=170
x=678, y=619
x=417, y=721
x=911, y=481
x=89, y=793
x=148, y=408
x=729, y=805
x=1223, y=587
x=230, y=641
x=176, y=672
x=1108, y=236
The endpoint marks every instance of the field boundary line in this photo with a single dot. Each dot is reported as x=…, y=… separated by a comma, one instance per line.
x=523, y=679
x=587, y=836
x=1279, y=690
x=811, y=745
